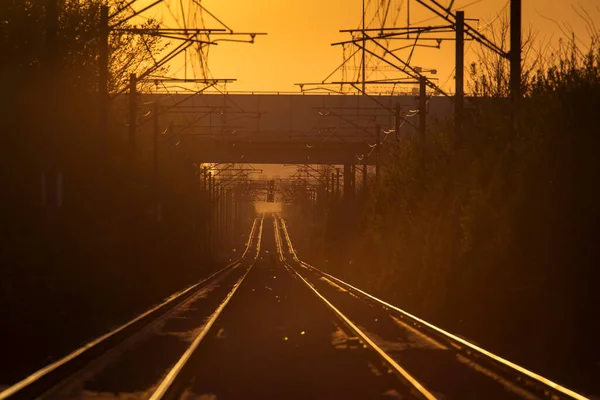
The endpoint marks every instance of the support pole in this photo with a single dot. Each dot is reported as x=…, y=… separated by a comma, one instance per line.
x=460, y=72
x=364, y=179
x=397, y=122
x=315, y=203
x=169, y=156
x=224, y=208
x=236, y=216
x=155, y=161
x=407, y=19
x=228, y=229
x=155, y=134
x=515, y=50
x=377, y=151
x=49, y=158
x=422, y=107
x=103, y=71
x=211, y=219
x=132, y=110
x=347, y=183
x=332, y=186
x=364, y=43
x=221, y=229
x=337, y=190
x=210, y=214
x=218, y=218
x=215, y=213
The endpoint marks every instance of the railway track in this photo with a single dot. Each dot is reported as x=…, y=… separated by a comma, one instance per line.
x=145, y=345
x=266, y=336
x=271, y=326
x=448, y=366
x=276, y=340
x=415, y=387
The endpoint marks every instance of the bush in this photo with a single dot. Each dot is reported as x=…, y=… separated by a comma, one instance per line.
x=494, y=234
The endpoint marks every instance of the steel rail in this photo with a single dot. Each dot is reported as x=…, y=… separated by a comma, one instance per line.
x=167, y=384
x=49, y=376
x=447, y=336
x=421, y=391
x=250, y=238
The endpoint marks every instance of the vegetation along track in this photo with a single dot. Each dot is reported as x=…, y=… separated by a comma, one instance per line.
x=133, y=357
x=449, y=366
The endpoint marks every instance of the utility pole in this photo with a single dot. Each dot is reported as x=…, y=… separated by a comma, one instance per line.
x=347, y=183
x=422, y=107
x=353, y=185
x=515, y=50
x=215, y=230
x=49, y=158
x=313, y=197
x=236, y=215
x=217, y=217
x=397, y=122
x=337, y=190
x=223, y=217
x=211, y=199
x=218, y=229
x=132, y=110
x=407, y=18
x=103, y=71
x=460, y=72
x=169, y=157
x=364, y=43
x=210, y=214
x=155, y=134
x=364, y=179
x=204, y=222
x=377, y=151
x=227, y=218
x=332, y=186
x=155, y=161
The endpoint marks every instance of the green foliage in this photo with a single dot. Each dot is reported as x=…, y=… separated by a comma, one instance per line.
x=494, y=233
x=102, y=250
x=26, y=50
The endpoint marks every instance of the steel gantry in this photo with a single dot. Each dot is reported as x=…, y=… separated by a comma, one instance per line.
x=377, y=43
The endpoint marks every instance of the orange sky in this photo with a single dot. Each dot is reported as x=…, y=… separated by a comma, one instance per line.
x=297, y=48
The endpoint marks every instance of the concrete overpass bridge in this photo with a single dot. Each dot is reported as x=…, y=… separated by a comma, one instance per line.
x=262, y=128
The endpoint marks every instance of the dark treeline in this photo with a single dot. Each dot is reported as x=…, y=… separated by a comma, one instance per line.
x=494, y=233
x=80, y=245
